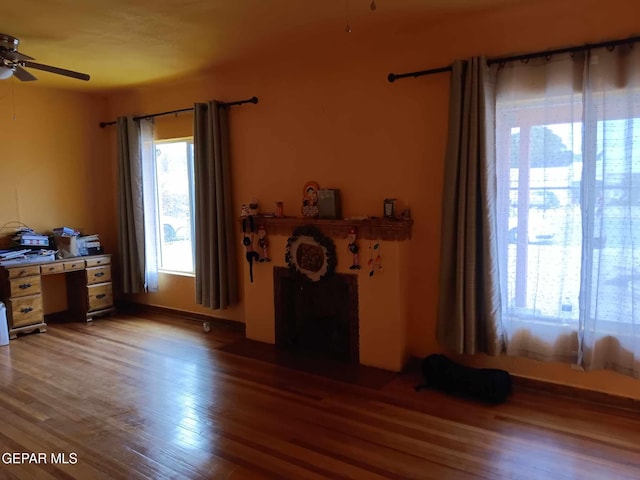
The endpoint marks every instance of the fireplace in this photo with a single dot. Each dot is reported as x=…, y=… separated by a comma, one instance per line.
x=318, y=318
x=370, y=328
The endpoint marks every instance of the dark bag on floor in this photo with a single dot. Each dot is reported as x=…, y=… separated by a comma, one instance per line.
x=486, y=384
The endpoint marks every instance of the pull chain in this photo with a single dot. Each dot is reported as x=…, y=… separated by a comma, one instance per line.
x=348, y=27
x=13, y=99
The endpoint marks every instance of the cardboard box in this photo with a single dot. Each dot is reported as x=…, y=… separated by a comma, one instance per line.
x=67, y=246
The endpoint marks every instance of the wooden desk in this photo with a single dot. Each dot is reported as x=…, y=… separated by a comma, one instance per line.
x=89, y=290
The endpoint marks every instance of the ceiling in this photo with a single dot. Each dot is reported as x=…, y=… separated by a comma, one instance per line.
x=131, y=42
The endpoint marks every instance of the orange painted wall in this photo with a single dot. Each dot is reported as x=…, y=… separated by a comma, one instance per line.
x=52, y=163
x=327, y=113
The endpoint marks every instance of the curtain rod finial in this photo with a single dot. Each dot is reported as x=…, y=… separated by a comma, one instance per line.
x=391, y=77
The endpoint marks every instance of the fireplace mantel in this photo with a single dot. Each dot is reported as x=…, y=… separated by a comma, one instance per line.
x=369, y=228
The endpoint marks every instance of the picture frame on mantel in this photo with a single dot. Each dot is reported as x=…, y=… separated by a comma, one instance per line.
x=389, y=207
x=329, y=205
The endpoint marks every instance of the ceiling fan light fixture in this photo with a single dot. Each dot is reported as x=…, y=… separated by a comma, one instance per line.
x=12, y=63
x=5, y=72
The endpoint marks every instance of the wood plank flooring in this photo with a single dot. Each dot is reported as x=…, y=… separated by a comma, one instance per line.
x=131, y=397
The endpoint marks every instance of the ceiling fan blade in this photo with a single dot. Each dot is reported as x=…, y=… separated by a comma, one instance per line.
x=59, y=71
x=22, y=74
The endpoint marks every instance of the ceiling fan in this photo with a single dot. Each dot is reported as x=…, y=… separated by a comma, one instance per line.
x=13, y=62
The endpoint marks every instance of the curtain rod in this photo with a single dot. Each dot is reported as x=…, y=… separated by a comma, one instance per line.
x=392, y=77
x=253, y=100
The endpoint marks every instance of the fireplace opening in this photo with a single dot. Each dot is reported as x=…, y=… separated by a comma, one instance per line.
x=317, y=318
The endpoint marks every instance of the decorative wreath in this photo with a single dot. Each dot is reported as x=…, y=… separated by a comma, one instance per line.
x=310, y=253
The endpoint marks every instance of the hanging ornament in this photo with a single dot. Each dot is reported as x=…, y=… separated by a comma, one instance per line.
x=353, y=248
x=263, y=243
x=248, y=229
x=375, y=259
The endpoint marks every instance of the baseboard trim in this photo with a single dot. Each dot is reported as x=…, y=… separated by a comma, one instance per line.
x=136, y=308
x=578, y=393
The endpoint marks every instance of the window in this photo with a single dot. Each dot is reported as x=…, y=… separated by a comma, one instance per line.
x=568, y=169
x=543, y=268
x=174, y=177
x=545, y=165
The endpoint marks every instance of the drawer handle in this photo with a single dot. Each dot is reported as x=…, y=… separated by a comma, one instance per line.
x=24, y=286
x=23, y=272
x=99, y=274
x=51, y=269
x=101, y=295
x=73, y=265
x=26, y=310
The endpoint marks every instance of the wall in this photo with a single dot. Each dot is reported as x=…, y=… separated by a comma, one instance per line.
x=327, y=113
x=51, y=164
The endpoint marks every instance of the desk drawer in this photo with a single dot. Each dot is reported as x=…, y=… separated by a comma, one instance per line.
x=73, y=265
x=23, y=271
x=26, y=310
x=100, y=296
x=98, y=274
x=94, y=262
x=20, y=287
x=51, y=268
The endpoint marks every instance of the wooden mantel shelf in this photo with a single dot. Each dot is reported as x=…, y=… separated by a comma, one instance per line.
x=368, y=229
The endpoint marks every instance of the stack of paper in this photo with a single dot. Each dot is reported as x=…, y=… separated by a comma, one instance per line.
x=14, y=257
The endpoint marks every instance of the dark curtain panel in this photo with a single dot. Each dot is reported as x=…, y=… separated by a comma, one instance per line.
x=130, y=205
x=215, y=259
x=469, y=305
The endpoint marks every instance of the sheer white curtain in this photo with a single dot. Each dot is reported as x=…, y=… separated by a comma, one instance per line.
x=150, y=200
x=568, y=149
x=610, y=297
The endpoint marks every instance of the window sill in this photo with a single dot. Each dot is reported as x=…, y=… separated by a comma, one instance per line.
x=176, y=273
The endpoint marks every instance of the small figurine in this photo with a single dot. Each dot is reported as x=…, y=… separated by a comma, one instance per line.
x=253, y=206
x=353, y=248
x=244, y=211
x=263, y=243
x=310, y=199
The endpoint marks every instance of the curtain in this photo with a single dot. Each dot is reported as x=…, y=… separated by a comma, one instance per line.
x=539, y=137
x=469, y=304
x=215, y=258
x=136, y=232
x=609, y=331
x=568, y=169
x=150, y=195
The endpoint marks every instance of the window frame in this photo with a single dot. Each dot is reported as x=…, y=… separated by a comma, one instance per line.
x=188, y=141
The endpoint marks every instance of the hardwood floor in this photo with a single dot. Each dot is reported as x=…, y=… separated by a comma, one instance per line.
x=154, y=398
